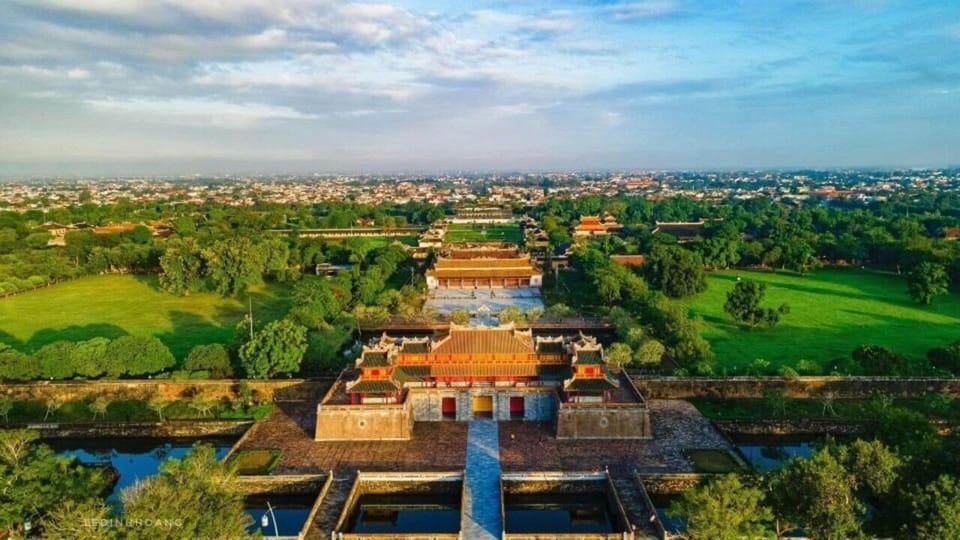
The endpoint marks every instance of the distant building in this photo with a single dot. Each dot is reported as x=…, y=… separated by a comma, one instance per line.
x=684, y=231
x=594, y=226
x=628, y=260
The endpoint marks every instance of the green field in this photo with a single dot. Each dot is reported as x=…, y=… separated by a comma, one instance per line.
x=831, y=313
x=113, y=306
x=476, y=232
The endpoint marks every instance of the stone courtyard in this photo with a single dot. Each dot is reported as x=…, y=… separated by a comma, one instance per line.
x=446, y=301
x=677, y=425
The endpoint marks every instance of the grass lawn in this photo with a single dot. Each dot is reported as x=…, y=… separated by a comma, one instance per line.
x=256, y=462
x=477, y=232
x=714, y=461
x=113, y=306
x=831, y=313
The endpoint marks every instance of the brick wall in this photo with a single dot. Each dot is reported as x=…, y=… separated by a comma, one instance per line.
x=800, y=387
x=599, y=422
x=267, y=390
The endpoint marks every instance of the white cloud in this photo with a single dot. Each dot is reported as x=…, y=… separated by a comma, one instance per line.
x=198, y=112
x=635, y=11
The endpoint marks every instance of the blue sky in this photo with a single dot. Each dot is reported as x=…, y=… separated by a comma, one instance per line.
x=184, y=86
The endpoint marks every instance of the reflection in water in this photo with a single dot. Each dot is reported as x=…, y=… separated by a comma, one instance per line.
x=291, y=513
x=134, y=459
x=406, y=513
x=558, y=513
x=773, y=452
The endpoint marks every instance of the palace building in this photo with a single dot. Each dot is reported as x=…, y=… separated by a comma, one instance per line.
x=484, y=268
x=594, y=226
x=471, y=372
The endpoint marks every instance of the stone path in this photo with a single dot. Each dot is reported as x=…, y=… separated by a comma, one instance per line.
x=481, y=491
x=330, y=508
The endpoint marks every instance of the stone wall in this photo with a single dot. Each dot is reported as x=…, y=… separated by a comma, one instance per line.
x=581, y=421
x=800, y=387
x=266, y=390
x=808, y=426
x=168, y=429
x=539, y=403
x=284, y=484
x=364, y=422
x=669, y=484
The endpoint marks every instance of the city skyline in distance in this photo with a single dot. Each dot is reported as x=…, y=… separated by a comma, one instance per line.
x=177, y=87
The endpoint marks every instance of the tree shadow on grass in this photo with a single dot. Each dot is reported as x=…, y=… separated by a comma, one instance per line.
x=9, y=339
x=189, y=330
x=72, y=333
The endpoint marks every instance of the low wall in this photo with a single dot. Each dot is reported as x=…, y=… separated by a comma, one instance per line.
x=364, y=422
x=265, y=390
x=800, y=387
x=566, y=483
x=669, y=484
x=168, y=429
x=808, y=426
x=389, y=483
x=582, y=421
x=284, y=484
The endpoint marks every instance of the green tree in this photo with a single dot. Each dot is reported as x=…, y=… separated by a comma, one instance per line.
x=618, y=354
x=459, y=316
x=946, y=358
x=743, y=305
x=78, y=520
x=510, y=314
x=197, y=496
x=158, y=404
x=234, y=264
x=276, y=349
x=203, y=404
x=6, y=405
x=676, y=271
x=99, y=406
x=877, y=360
x=138, y=355
x=181, y=267
x=926, y=281
x=34, y=481
x=722, y=509
x=213, y=358
x=649, y=353
x=935, y=511
x=17, y=366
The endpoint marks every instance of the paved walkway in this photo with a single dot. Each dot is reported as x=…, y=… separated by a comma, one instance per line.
x=481, y=491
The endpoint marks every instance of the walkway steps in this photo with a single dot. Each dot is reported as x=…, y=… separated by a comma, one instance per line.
x=634, y=503
x=331, y=508
x=481, y=518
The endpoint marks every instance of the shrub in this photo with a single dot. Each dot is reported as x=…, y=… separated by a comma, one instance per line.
x=213, y=358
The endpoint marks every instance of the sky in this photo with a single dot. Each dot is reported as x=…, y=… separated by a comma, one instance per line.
x=126, y=87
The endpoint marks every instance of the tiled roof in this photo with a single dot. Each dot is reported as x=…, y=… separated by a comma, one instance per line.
x=404, y=374
x=374, y=359
x=416, y=347
x=628, y=260
x=589, y=385
x=484, y=340
x=487, y=262
x=550, y=347
x=484, y=370
x=374, y=386
x=448, y=273
x=589, y=357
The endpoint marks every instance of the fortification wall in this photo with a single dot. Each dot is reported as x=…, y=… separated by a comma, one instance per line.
x=601, y=422
x=266, y=390
x=364, y=422
x=799, y=387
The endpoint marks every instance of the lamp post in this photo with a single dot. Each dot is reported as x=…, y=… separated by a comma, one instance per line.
x=265, y=521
